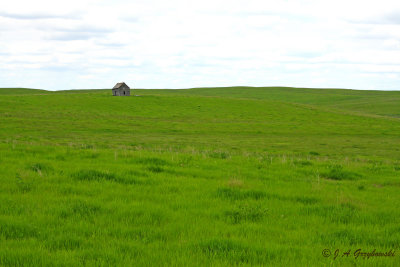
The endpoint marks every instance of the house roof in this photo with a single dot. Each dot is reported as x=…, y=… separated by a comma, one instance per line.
x=118, y=85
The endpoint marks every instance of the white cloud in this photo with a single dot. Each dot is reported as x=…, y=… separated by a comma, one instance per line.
x=178, y=44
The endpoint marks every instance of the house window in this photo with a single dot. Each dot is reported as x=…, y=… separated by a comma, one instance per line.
x=124, y=92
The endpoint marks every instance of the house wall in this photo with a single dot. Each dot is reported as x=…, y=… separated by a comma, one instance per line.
x=120, y=91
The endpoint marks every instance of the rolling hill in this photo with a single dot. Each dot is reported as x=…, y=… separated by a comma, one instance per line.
x=236, y=176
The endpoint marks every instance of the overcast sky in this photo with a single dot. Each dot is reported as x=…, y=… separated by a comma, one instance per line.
x=181, y=43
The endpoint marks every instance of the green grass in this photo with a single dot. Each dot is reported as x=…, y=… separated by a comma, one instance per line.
x=235, y=176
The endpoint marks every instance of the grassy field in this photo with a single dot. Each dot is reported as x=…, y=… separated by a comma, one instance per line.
x=235, y=176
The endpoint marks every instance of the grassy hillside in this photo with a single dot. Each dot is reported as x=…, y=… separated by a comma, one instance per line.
x=371, y=102
x=209, y=176
x=21, y=91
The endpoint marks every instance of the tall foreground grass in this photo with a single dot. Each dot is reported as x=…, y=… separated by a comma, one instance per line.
x=185, y=179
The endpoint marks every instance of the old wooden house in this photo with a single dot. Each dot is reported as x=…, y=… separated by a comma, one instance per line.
x=121, y=89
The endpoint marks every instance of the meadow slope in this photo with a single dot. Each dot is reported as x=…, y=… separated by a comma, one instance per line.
x=236, y=176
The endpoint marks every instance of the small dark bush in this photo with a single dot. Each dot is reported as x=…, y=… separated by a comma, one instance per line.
x=155, y=169
x=237, y=194
x=337, y=172
x=303, y=162
x=218, y=155
x=306, y=200
x=40, y=167
x=94, y=175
